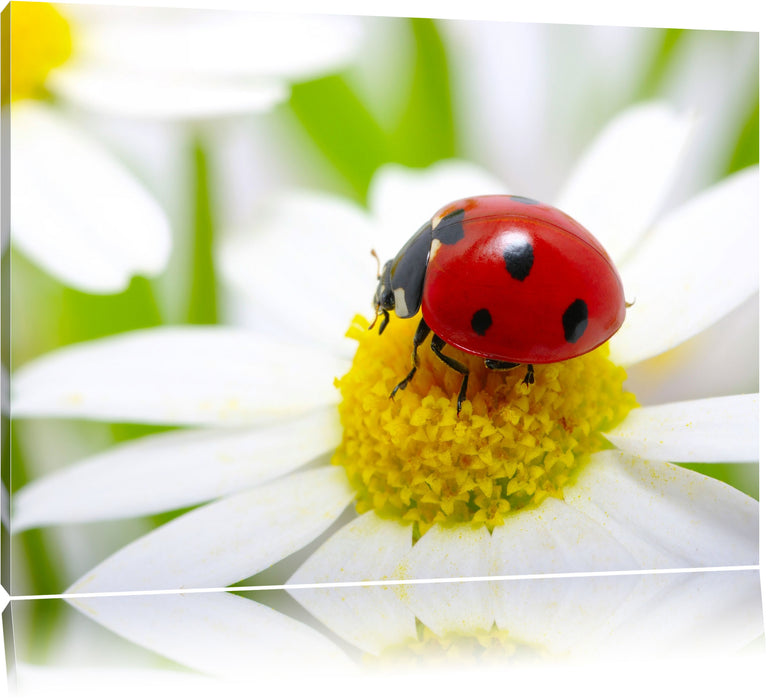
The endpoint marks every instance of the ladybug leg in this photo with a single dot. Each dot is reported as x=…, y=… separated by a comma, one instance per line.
x=500, y=364
x=386, y=318
x=436, y=345
x=421, y=333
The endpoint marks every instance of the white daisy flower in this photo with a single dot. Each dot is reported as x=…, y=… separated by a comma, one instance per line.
x=68, y=189
x=372, y=628
x=567, y=476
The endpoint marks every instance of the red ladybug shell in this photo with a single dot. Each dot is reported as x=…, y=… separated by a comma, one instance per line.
x=514, y=280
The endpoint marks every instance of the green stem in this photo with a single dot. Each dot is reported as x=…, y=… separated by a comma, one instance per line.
x=747, y=148
x=661, y=64
x=36, y=550
x=203, y=301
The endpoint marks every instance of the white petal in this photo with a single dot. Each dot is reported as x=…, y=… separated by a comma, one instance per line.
x=162, y=96
x=659, y=615
x=38, y=681
x=723, y=429
x=559, y=615
x=220, y=44
x=618, y=186
x=178, y=376
x=76, y=211
x=215, y=633
x=228, y=540
x=717, y=80
x=163, y=472
x=306, y=263
x=721, y=361
x=697, y=613
x=667, y=516
x=698, y=264
x=403, y=199
x=99, y=681
x=555, y=538
x=366, y=549
x=485, y=54
x=450, y=552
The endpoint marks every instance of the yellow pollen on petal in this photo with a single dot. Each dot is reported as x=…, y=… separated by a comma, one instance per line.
x=41, y=39
x=512, y=445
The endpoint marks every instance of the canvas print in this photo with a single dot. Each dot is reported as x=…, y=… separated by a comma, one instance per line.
x=393, y=335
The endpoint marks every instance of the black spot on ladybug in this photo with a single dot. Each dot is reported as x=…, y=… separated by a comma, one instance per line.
x=575, y=321
x=481, y=321
x=450, y=229
x=519, y=257
x=525, y=200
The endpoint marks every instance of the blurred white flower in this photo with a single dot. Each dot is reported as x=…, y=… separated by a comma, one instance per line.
x=274, y=408
x=76, y=209
x=544, y=89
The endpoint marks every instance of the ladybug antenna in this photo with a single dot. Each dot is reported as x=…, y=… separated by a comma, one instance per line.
x=378, y=271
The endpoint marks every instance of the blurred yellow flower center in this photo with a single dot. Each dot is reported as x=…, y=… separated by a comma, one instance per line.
x=40, y=40
x=414, y=458
x=478, y=647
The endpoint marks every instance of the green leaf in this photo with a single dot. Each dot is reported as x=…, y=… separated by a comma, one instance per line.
x=426, y=131
x=47, y=315
x=747, y=149
x=350, y=136
x=202, y=298
x=744, y=477
x=342, y=128
x=661, y=63
x=88, y=316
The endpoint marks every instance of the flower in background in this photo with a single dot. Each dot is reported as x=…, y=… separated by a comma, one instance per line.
x=624, y=508
x=559, y=83
x=76, y=209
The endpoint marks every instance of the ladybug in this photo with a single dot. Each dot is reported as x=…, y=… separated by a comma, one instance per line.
x=505, y=278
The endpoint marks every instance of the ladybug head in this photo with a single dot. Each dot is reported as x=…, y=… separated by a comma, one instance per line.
x=384, y=299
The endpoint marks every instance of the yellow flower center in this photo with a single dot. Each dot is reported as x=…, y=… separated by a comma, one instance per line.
x=414, y=458
x=40, y=40
x=483, y=646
